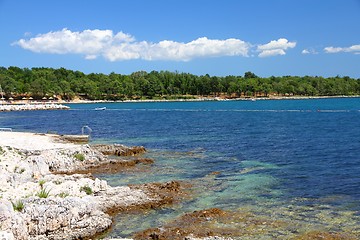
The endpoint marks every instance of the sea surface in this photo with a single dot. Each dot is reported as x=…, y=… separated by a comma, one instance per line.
x=296, y=161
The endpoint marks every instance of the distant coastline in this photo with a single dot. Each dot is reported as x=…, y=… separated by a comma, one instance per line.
x=48, y=85
x=202, y=99
x=58, y=104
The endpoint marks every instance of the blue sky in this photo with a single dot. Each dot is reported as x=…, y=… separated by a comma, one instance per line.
x=228, y=37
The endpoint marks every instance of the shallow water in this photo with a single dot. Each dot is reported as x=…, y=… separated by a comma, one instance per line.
x=292, y=160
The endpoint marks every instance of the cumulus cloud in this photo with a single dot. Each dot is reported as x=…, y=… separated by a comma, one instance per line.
x=91, y=43
x=122, y=46
x=275, y=47
x=352, y=49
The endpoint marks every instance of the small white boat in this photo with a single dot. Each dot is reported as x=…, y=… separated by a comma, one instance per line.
x=100, y=108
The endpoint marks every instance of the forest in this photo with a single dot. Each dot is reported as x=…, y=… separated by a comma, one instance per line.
x=68, y=84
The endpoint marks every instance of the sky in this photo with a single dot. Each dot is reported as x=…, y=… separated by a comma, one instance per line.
x=220, y=38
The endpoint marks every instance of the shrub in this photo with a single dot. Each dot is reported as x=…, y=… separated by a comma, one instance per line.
x=79, y=156
x=18, y=205
x=86, y=189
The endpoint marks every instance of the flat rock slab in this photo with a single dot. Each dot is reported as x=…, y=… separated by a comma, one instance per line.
x=32, y=141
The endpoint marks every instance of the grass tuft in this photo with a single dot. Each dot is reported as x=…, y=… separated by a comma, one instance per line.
x=18, y=205
x=43, y=193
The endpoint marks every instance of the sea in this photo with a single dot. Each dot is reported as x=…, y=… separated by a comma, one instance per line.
x=295, y=161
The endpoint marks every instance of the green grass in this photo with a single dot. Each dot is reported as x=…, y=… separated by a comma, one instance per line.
x=43, y=193
x=18, y=205
x=79, y=156
x=86, y=189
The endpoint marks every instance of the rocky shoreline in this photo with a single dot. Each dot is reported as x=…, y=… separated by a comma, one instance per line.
x=42, y=195
x=47, y=191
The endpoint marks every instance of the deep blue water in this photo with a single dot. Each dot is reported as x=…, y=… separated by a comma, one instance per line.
x=271, y=154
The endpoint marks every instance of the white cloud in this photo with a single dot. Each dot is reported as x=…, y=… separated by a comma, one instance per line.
x=333, y=50
x=122, y=46
x=305, y=51
x=272, y=52
x=88, y=42
x=352, y=49
x=275, y=47
x=309, y=51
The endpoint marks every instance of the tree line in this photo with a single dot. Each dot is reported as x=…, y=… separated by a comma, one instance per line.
x=67, y=84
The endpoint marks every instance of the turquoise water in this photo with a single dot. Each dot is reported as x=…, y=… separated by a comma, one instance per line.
x=292, y=160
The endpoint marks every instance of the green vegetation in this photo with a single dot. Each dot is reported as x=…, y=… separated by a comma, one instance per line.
x=57, y=182
x=18, y=205
x=67, y=84
x=43, y=193
x=79, y=156
x=41, y=183
x=63, y=195
x=86, y=189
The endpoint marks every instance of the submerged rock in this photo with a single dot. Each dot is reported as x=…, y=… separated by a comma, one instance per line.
x=318, y=235
x=193, y=225
x=116, y=165
x=119, y=149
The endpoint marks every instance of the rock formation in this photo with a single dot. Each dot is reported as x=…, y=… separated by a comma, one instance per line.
x=119, y=149
x=39, y=199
